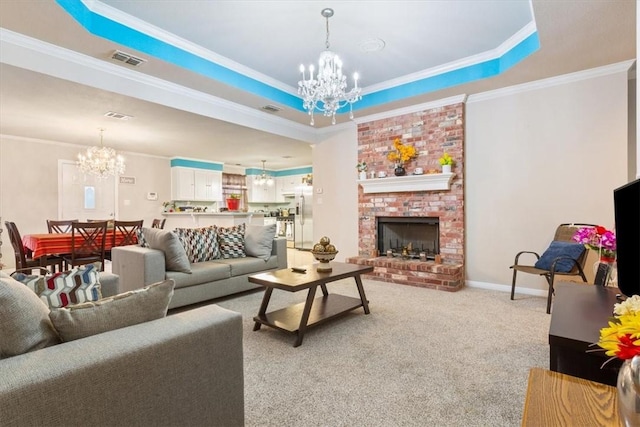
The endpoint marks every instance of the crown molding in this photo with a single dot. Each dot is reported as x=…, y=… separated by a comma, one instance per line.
x=606, y=70
x=412, y=109
x=480, y=58
x=32, y=54
x=16, y=138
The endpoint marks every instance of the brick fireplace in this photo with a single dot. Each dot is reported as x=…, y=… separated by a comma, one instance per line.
x=432, y=195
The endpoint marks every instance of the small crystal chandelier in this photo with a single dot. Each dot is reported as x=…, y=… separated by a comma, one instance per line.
x=326, y=93
x=263, y=178
x=101, y=161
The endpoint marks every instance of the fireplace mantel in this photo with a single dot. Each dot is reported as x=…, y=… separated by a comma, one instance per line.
x=398, y=184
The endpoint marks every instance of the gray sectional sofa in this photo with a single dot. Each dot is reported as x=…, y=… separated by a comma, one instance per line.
x=140, y=266
x=183, y=369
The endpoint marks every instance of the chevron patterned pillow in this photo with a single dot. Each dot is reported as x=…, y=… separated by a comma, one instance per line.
x=200, y=244
x=231, y=241
x=80, y=284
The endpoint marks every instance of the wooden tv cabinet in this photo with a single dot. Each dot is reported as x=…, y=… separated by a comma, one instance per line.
x=579, y=312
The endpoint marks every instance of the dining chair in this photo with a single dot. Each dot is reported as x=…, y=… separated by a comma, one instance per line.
x=123, y=233
x=87, y=243
x=24, y=261
x=158, y=223
x=60, y=226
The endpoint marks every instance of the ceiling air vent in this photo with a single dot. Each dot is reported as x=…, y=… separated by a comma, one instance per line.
x=127, y=58
x=118, y=116
x=271, y=108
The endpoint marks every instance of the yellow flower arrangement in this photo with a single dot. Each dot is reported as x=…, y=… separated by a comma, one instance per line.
x=621, y=338
x=446, y=159
x=401, y=153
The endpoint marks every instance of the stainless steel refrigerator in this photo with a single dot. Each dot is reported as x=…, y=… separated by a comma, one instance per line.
x=303, y=229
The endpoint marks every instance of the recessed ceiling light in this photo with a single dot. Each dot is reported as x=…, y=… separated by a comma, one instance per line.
x=372, y=45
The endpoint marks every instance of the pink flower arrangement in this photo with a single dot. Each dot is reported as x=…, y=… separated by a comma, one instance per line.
x=599, y=239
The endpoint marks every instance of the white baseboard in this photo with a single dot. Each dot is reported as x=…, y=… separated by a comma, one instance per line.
x=506, y=288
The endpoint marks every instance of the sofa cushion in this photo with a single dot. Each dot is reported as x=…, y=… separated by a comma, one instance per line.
x=130, y=308
x=201, y=272
x=248, y=265
x=231, y=240
x=168, y=242
x=200, y=244
x=80, y=284
x=258, y=240
x=24, y=320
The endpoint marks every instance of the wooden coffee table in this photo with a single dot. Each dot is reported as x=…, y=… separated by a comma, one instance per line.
x=297, y=318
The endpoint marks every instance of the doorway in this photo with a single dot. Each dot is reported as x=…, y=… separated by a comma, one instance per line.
x=84, y=196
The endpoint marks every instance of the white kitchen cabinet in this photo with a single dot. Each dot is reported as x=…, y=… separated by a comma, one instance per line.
x=287, y=186
x=195, y=184
x=208, y=185
x=262, y=193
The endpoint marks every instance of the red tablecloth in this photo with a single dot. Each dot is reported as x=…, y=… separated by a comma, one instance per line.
x=60, y=243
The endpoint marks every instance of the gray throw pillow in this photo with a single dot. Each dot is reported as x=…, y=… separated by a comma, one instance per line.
x=127, y=309
x=24, y=320
x=167, y=241
x=258, y=240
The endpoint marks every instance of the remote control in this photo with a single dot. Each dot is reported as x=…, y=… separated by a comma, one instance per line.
x=298, y=270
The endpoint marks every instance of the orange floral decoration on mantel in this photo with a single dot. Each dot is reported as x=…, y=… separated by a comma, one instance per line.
x=401, y=153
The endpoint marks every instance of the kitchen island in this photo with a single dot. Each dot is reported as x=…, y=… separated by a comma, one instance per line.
x=206, y=219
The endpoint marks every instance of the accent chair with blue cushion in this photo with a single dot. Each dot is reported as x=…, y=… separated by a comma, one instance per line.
x=564, y=256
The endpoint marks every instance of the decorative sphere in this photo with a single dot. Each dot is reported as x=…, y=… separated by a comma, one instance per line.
x=330, y=248
x=318, y=248
x=324, y=241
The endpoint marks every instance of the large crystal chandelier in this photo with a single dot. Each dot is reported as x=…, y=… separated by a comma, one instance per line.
x=326, y=92
x=101, y=161
x=263, y=178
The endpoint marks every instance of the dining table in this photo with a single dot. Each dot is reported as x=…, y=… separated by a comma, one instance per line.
x=60, y=243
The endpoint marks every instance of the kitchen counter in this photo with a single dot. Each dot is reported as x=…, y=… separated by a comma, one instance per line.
x=206, y=219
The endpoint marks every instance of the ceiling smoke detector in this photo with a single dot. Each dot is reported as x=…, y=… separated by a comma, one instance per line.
x=127, y=58
x=271, y=108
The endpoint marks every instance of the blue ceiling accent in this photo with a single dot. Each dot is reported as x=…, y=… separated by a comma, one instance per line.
x=196, y=164
x=121, y=34
x=284, y=172
x=453, y=78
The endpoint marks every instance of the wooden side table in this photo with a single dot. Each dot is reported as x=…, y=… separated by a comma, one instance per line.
x=555, y=399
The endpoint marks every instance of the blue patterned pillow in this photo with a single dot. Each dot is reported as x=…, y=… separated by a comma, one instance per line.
x=200, y=244
x=558, y=249
x=75, y=286
x=231, y=241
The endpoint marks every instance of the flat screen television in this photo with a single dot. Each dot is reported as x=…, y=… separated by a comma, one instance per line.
x=626, y=200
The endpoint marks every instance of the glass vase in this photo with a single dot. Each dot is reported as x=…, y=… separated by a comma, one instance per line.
x=399, y=170
x=629, y=392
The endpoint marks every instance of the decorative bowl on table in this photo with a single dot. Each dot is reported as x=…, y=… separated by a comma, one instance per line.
x=324, y=252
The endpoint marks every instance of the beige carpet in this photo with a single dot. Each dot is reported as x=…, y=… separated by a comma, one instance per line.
x=421, y=358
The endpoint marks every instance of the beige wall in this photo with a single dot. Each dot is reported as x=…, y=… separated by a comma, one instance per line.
x=536, y=159
x=335, y=210
x=29, y=186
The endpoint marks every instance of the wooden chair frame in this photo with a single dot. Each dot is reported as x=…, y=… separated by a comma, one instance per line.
x=60, y=226
x=91, y=248
x=564, y=233
x=158, y=223
x=23, y=258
